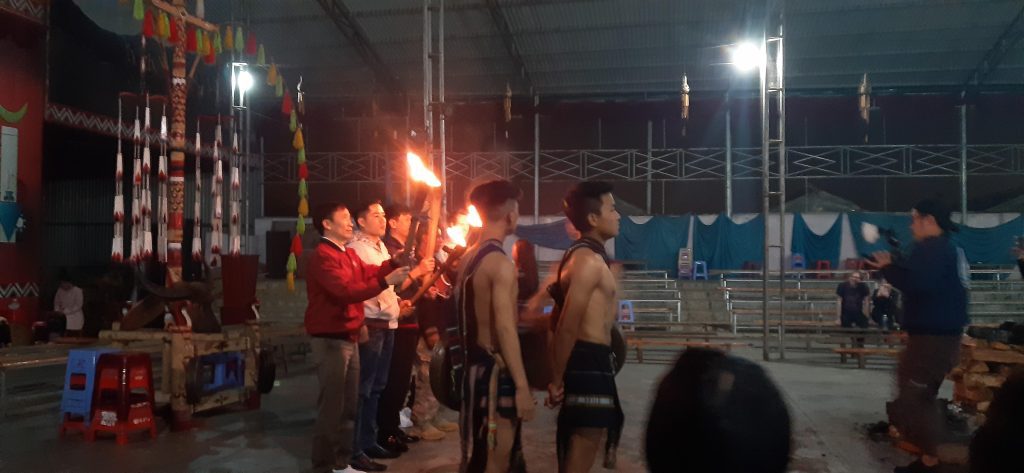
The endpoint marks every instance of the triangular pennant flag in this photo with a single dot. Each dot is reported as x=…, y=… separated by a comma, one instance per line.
x=272, y=74
x=261, y=56
x=302, y=156
x=298, y=142
x=293, y=121
x=218, y=45
x=174, y=36
x=279, y=89
x=229, y=42
x=286, y=104
x=303, y=171
x=297, y=246
x=250, y=45
x=148, y=28
x=300, y=226
x=291, y=281
x=138, y=10
x=211, y=57
x=200, y=47
x=239, y=40
x=303, y=188
x=163, y=26
x=303, y=207
x=190, y=39
x=292, y=264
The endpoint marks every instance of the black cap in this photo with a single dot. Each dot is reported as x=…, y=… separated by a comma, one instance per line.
x=940, y=211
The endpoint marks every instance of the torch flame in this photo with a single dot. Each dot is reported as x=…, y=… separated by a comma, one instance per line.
x=457, y=235
x=473, y=217
x=419, y=172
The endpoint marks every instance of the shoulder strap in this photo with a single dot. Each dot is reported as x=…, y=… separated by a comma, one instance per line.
x=581, y=243
x=460, y=286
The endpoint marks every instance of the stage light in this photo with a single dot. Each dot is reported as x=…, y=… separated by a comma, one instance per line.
x=746, y=56
x=244, y=81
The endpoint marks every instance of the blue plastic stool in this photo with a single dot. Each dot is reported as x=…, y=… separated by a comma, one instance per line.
x=700, y=270
x=626, y=314
x=222, y=371
x=79, y=380
x=796, y=261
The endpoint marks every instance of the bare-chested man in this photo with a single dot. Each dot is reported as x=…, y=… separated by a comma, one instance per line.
x=585, y=314
x=496, y=396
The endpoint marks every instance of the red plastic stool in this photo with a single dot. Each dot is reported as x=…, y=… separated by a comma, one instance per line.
x=823, y=265
x=123, y=397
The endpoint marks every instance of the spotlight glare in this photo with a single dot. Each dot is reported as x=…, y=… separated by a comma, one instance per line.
x=244, y=81
x=746, y=56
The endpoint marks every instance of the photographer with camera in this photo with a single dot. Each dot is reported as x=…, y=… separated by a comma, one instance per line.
x=933, y=280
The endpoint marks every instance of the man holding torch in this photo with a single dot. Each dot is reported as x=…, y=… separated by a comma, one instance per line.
x=382, y=313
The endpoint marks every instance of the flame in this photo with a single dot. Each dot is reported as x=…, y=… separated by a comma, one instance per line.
x=418, y=172
x=457, y=235
x=473, y=217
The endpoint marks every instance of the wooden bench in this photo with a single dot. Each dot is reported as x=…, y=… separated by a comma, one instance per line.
x=639, y=344
x=861, y=354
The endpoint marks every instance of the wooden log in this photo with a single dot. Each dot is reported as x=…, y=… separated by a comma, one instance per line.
x=983, y=406
x=977, y=367
x=985, y=380
x=997, y=356
x=971, y=396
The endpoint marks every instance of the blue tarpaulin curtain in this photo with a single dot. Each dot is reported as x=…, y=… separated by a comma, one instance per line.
x=900, y=224
x=725, y=244
x=989, y=245
x=816, y=247
x=656, y=241
x=549, y=235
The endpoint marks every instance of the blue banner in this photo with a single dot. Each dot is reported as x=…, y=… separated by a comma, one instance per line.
x=657, y=241
x=816, y=247
x=727, y=245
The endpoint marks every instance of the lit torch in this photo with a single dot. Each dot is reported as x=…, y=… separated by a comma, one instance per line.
x=431, y=187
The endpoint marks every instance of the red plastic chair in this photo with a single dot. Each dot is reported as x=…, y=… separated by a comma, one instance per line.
x=123, y=397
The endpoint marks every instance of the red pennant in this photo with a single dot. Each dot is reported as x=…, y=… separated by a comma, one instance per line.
x=297, y=246
x=286, y=104
x=147, y=24
x=250, y=44
x=303, y=171
x=211, y=57
x=175, y=37
x=190, y=40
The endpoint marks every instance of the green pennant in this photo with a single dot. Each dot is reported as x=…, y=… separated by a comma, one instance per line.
x=292, y=264
x=138, y=10
x=293, y=121
x=302, y=155
x=300, y=226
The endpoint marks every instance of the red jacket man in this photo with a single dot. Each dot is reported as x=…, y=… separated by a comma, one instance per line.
x=337, y=283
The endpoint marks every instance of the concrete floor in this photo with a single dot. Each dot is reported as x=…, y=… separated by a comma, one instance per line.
x=829, y=403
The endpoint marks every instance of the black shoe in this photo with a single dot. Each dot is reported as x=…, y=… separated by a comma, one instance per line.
x=916, y=467
x=394, y=444
x=406, y=438
x=363, y=463
x=380, y=453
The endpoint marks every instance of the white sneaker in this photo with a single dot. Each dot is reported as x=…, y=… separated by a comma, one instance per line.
x=348, y=469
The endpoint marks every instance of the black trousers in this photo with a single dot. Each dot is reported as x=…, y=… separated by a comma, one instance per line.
x=923, y=365
x=392, y=400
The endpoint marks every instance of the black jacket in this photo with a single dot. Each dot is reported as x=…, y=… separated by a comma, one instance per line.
x=934, y=292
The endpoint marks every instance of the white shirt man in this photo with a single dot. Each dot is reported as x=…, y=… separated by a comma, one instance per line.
x=383, y=307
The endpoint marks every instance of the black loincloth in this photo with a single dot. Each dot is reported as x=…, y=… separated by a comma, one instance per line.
x=591, y=399
x=475, y=447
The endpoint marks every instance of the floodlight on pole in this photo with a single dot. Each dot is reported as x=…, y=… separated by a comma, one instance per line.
x=241, y=83
x=746, y=56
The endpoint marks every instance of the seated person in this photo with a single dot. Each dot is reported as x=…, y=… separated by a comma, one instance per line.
x=717, y=413
x=997, y=445
x=5, y=333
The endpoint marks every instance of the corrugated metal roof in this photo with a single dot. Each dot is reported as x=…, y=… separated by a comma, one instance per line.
x=607, y=46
